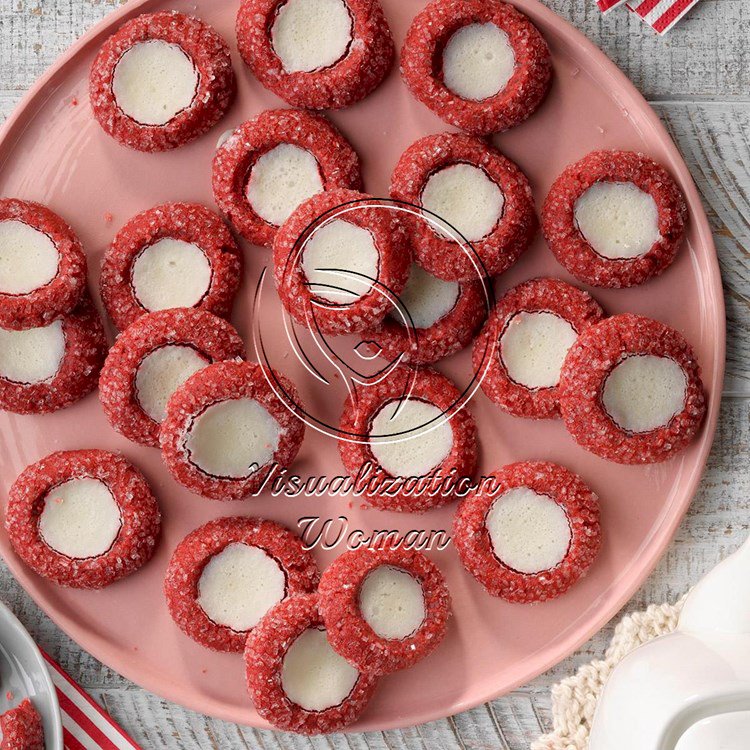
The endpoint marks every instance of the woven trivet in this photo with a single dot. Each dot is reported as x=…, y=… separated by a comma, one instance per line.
x=574, y=699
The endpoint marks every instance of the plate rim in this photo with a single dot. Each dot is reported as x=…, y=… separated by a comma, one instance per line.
x=597, y=58
x=10, y=617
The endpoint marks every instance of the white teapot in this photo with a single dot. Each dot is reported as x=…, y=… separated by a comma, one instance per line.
x=689, y=690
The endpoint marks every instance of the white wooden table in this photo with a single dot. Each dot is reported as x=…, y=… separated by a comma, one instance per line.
x=698, y=80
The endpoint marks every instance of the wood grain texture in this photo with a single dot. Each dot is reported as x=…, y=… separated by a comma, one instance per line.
x=699, y=80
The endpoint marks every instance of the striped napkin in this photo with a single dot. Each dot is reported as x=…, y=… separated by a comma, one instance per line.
x=660, y=15
x=86, y=725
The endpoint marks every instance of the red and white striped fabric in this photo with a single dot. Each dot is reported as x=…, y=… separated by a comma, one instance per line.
x=605, y=6
x=86, y=725
x=661, y=15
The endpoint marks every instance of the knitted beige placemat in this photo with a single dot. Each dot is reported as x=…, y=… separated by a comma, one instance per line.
x=574, y=699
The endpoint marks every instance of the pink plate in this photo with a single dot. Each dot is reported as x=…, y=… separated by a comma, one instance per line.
x=52, y=151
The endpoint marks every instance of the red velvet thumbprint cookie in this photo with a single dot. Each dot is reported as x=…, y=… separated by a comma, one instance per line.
x=22, y=728
x=173, y=255
x=83, y=518
x=615, y=219
x=340, y=261
x=42, y=265
x=316, y=54
x=274, y=162
x=161, y=80
x=529, y=532
x=480, y=65
x=155, y=356
x=528, y=335
x=224, y=576
x=226, y=429
x=50, y=367
x=433, y=319
x=481, y=197
x=406, y=439
x=297, y=682
x=631, y=392
x=384, y=609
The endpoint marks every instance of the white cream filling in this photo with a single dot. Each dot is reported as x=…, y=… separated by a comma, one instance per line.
x=426, y=298
x=313, y=675
x=33, y=355
x=478, y=61
x=464, y=197
x=28, y=258
x=154, y=81
x=170, y=273
x=392, y=602
x=233, y=438
x=80, y=518
x=239, y=585
x=644, y=392
x=280, y=180
x=618, y=219
x=417, y=454
x=529, y=532
x=342, y=255
x=161, y=373
x=309, y=35
x=533, y=348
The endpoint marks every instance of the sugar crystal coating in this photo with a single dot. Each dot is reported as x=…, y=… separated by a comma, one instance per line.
x=140, y=518
x=221, y=383
x=573, y=250
x=368, y=58
x=294, y=238
x=421, y=65
x=587, y=367
x=349, y=632
x=447, y=335
x=64, y=291
x=572, y=305
x=186, y=222
x=432, y=388
x=22, y=728
x=85, y=347
x=444, y=256
x=265, y=652
x=474, y=545
x=209, y=336
x=192, y=554
x=338, y=163
x=209, y=55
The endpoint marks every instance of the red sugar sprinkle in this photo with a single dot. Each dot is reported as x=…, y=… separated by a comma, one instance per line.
x=365, y=64
x=590, y=360
x=194, y=552
x=22, y=728
x=497, y=251
x=474, y=546
x=571, y=248
x=432, y=387
x=209, y=54
x=140, y=518
x=431, y=30
x=58, y=297
x=538, y=295
x=338, y=163
x=266, y=648
x=348, y=632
